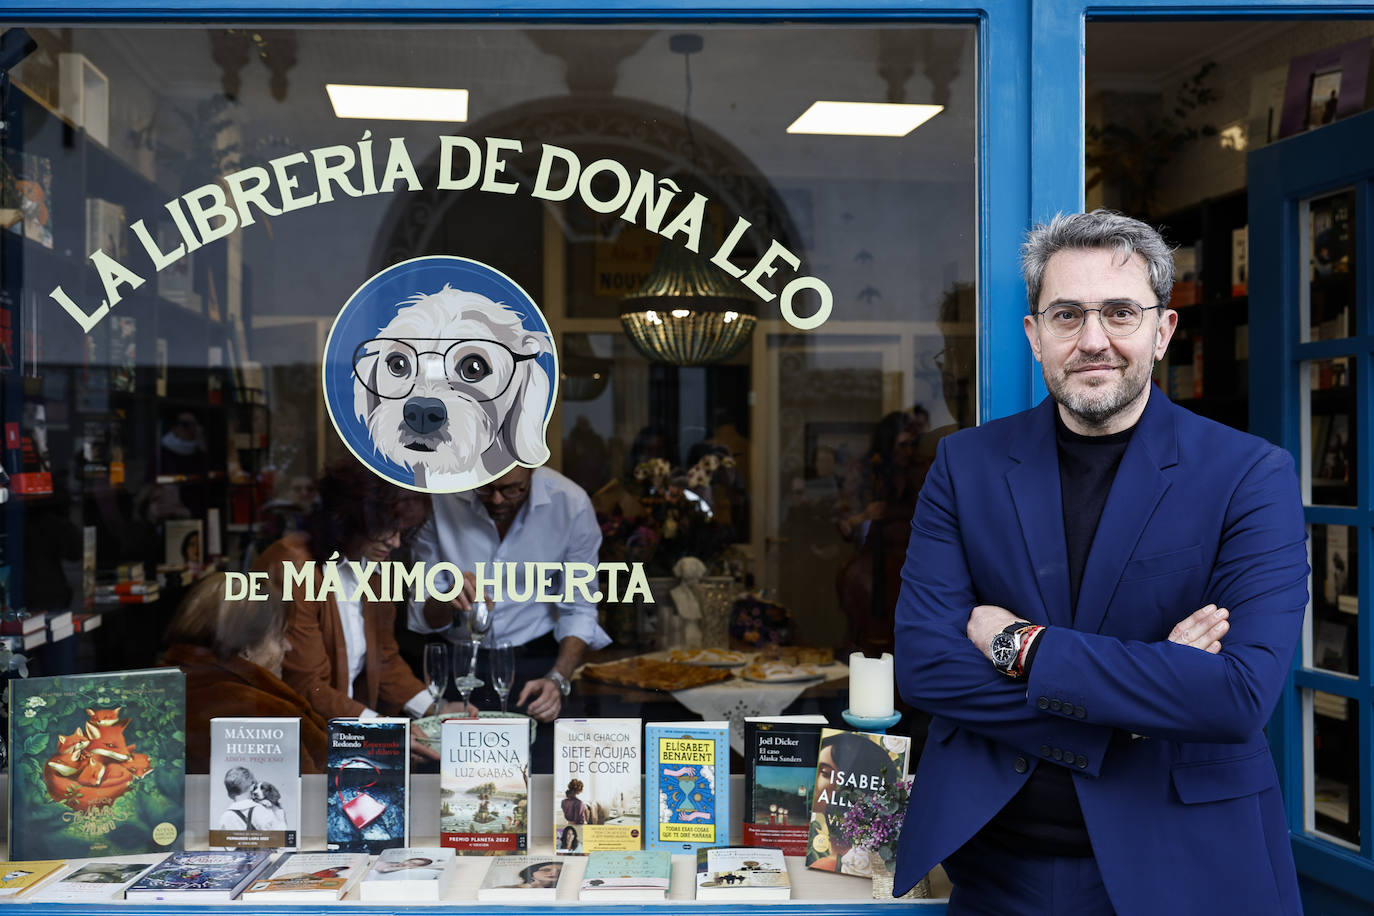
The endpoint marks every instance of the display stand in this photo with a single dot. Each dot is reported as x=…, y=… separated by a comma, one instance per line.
x=812, y=891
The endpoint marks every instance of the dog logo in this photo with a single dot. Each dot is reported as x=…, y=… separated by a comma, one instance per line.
x=440, y=375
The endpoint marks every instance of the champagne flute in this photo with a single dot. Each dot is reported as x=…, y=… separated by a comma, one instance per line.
x=436, y=670
x=464, y=679
x=501, y=658
x=479, y=625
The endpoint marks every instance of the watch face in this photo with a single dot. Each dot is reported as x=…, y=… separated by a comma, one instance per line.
x=1003, y=650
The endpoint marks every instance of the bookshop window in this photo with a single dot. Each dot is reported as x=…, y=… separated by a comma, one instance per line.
x=727, y=314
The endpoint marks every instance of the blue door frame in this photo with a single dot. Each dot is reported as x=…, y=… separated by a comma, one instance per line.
x=1030, y=59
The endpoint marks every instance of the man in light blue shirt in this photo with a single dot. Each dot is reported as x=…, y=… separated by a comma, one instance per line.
x=524, y=516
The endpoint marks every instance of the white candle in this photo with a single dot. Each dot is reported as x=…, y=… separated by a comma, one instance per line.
x=870, y=685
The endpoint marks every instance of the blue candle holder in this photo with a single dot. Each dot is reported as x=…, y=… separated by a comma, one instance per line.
x=876, y=724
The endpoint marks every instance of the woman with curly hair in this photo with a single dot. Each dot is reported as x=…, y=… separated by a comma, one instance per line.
x=344, y=659
x=574, y=808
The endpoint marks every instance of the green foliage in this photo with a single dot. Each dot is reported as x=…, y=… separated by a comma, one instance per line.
x=1131, y=159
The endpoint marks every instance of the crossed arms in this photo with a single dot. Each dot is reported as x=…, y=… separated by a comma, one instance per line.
x=1177, y=688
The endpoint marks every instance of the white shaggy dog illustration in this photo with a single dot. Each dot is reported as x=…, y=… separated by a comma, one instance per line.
x=450, y=388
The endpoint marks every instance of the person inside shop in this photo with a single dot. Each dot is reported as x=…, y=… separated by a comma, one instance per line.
x=343, y=657
x=1100, y=604
x=232, y=652
x=527, y=515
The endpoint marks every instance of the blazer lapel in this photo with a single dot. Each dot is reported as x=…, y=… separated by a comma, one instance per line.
x=1139, y=485
x=1034, y=484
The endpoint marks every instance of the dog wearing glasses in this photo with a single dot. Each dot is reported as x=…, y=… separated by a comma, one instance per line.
x=451, y=389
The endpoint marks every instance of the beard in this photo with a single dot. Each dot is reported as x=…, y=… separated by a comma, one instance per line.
x=1097, y=404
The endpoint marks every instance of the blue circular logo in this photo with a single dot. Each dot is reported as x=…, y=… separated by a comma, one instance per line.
x=440, y=375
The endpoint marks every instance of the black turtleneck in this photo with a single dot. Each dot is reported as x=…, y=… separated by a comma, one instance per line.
x=1044, y=818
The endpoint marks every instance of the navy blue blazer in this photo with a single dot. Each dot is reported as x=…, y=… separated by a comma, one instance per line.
x=1165, y=742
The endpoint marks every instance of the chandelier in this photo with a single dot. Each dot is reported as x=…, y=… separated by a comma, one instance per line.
x=686, y=313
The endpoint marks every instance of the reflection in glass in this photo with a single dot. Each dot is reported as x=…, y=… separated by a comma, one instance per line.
x=1335, y=772
x=1331, y=459
x=1330, y=239
x=1335, y=598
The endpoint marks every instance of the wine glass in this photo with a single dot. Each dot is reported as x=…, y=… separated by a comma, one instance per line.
x=436, y=670
x=501, y=659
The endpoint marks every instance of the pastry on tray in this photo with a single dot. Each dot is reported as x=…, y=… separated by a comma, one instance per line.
x=797, y=655
x=654, y=674
x=714, y=657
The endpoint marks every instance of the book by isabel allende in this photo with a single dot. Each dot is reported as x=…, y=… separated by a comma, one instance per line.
x=780, y=775
x=597, y=767
x=97, y=764
x=255, y=783
x=848, y=762
x=687, y=782
x=369, y=772
x=484, y=775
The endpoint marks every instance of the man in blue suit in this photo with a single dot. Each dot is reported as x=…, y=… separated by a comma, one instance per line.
x=1100, y=603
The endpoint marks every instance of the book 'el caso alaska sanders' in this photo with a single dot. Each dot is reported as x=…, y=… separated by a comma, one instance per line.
x=97, y=764
x=780, y=774
x=597, y=767
x=687, y=782
x=484, y=786
x=366, y=806
x=255, y=783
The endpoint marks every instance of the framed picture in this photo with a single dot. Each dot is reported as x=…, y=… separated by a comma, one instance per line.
x=832, y=445
x=1325, y=86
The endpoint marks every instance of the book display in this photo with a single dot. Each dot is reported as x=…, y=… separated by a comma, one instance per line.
x=484, y=786
x=598, y=764
x=410, y=873
x=257, y=762
x=615, y=876
x=689, y=802
x=849, y=764
x=531, y=879
x=93, y=880
x=780, y=759
x=97, y=764
x=198, y=877
x=368, y=783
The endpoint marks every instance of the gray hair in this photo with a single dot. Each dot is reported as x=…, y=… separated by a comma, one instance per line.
x=1098, y=229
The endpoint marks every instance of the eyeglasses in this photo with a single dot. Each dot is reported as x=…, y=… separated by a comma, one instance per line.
x=1120, y=317
x=389, y=367
x=510, y=492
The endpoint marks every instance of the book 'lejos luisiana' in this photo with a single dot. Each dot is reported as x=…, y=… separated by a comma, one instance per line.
x=366, y=808
x=597, y=768
x=484, y=786
x=780, y=774
x=255, y=783
x=848, y=763
x=307, y=876
x=687, y=782
x=97, y=764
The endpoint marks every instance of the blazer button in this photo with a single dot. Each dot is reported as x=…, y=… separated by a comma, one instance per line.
x=1043, y=702
x=1056, y=705
x=1058, y=754
x=1080, y=712
x=1044, y=750
x=1082, y=762
x=1020, y=765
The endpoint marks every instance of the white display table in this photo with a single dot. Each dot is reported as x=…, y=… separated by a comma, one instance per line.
x=812, y=891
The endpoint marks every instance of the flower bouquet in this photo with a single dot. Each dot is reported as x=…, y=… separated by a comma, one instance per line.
x=871, y=825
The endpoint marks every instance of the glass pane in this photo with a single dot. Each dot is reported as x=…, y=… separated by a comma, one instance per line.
x=240, y=205
x=1330, y=461
x=1335, y=775
x=1330, y=234
x=1335, y=598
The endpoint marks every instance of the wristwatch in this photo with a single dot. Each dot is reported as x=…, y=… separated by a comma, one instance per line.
x=1006, y=647
x=564, y=686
